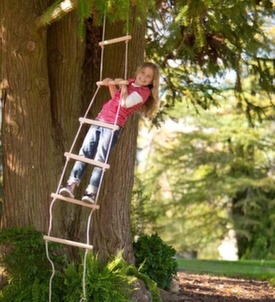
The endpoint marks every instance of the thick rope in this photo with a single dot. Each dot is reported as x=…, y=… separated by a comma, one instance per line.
x=85, y=257
x=102, y=47
x=53, y=271
x=90, y=216
x=103, y=171
x=118, y=109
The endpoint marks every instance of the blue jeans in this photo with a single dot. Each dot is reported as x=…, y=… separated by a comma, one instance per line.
x=95, y=146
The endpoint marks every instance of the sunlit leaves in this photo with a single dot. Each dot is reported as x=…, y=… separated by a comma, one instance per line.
x=209, y=39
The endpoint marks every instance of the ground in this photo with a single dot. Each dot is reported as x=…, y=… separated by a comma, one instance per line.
x=205, y=288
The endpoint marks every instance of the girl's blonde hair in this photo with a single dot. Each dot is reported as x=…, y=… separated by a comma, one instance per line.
x=152, y=104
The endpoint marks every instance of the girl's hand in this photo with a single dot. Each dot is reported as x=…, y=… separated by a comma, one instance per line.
x=106, y=81
x=119, y=80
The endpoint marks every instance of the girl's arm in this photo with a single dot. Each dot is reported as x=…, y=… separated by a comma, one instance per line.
x=112, y=90
x=130, y=100
x=123, y=96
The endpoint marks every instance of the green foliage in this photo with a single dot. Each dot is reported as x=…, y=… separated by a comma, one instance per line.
x=196, y=43
x=155, y=259
x=25, y=262
x=105, y=282
x=114, y=10
x=24, y=259
x=213, y=172
x=254, y=212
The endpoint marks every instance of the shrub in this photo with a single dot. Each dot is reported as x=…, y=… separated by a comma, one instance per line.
x=156, y=259
x=24, y=259
x=104, y=282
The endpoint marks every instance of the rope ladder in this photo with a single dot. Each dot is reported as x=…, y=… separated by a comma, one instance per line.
x=103, y=165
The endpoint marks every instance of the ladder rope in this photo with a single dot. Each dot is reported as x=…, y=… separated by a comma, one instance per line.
x=109, y=147
x=53, y=271
x=127, y=43
x=102, y=47
x=119, y=105
x=85, y=257
x=82, y=121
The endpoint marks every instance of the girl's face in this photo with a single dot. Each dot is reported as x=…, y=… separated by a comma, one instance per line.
x=145, y=76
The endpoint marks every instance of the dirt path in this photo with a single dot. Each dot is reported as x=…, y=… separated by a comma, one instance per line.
x=205, y=288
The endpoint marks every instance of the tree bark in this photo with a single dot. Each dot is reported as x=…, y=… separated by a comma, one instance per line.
x=26, y=119
x=65, y=53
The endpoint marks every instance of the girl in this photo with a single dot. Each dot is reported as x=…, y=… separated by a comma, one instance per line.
x=140, y=93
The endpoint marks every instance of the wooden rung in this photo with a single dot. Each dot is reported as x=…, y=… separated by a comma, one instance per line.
x=98, y=123
x=87, y=160
x=116, y=40
x=75, y=201
x=124, y=82
x=68, y=242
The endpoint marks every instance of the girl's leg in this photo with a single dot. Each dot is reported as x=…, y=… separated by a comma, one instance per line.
x=101, y=154
x=88, y=150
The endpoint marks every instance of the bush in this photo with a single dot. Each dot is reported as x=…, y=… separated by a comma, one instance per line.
x=156, y=259
x=104, y=282
x=24, y=258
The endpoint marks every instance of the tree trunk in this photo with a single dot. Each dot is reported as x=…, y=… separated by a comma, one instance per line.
x=28, y=147
x=48, y=81
x=65, y=61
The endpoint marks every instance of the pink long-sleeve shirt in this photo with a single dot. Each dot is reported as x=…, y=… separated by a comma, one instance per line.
x=109, y=109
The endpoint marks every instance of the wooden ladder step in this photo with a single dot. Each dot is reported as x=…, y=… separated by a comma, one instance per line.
x=87, y=160
x=67, y=242
x=98, y=123
x=115, y=82
x=75, y=201
x=115, y=40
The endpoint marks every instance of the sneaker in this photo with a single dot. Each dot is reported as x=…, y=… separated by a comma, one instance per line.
x=89, y=197
x=67, y=191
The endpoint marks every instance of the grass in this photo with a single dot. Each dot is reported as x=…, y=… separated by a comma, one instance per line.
x=252, y=269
